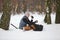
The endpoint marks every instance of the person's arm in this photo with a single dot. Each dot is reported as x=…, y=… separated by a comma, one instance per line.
x=35, y=21
x=26, y=20
x=32, y=20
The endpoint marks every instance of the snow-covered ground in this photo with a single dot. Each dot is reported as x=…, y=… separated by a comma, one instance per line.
x=50, y=31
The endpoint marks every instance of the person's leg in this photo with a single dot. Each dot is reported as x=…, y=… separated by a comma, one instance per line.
x=27, y=28
x=38, y=27
x=32, y=27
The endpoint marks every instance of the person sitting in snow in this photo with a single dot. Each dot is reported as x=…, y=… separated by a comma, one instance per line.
x=26, y=24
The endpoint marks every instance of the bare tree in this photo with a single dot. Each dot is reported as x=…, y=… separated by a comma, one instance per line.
x=57, y=11
x=48, y=17
x=5, y=19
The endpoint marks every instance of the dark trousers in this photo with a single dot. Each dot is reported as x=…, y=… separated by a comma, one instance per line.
x=38, y=27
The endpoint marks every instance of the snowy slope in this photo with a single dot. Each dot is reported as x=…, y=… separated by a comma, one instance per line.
x=50, y=32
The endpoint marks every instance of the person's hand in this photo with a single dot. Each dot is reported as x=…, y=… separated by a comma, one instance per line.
x=36, y=21
x=32, y=17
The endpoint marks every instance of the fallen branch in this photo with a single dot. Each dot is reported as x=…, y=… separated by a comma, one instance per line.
x=14, y=26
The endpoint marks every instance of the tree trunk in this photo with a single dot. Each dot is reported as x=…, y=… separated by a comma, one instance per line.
x=25, y=6
x=48, y=17
x=45, y=19
x=57, y=11
x=5, y=19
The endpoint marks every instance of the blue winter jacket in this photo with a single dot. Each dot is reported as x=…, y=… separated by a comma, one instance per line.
x=24, y=22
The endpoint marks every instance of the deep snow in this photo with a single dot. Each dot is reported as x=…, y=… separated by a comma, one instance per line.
x=50, y=31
